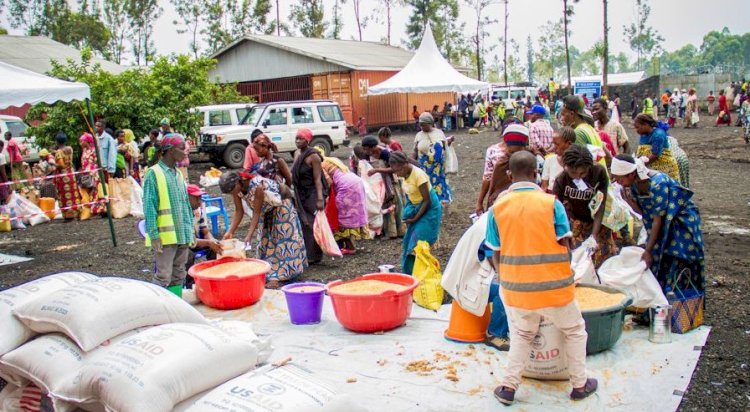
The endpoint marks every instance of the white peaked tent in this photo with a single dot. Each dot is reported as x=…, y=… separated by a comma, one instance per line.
x=428, y=72
x=21, y=86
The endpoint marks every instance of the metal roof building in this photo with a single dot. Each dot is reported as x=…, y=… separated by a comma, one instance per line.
x=36, y=53
x=271, y=68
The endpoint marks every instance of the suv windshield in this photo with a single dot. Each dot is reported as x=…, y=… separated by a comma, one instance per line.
x=17, y=128
x=252, y=116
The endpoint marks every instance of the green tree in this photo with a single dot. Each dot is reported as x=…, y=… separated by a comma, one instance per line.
x=529, y=59
x=483, y=21
x=115, y=18
x=309, y=18
x=621, y=63
x=442, y=16
x=382, y=14
x=135, y=99
x=550, y=56
x=681, y=60
x=514, y=68
x=644, y=40
x=723, y=48
x=141, y=17
x=191, y=16
x=3, y=31
x=336, y=23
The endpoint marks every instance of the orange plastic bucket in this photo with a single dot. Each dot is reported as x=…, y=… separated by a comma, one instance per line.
x=47, y=204
x=467, y=327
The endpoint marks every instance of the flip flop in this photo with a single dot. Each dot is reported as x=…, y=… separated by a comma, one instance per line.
x=348, y=252
x=273, y=284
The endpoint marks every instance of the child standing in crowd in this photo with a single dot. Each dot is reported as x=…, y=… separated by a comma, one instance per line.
x=535, y=276
x=384, y=135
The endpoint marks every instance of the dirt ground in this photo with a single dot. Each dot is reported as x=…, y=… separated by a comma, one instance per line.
x=720, y=164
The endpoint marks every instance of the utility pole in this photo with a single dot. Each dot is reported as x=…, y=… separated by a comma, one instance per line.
x=505, y=45
x=278, y=19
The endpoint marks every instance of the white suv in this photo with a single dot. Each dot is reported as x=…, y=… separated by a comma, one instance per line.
x=219, y=116
x=280, y=122
x=17, y=127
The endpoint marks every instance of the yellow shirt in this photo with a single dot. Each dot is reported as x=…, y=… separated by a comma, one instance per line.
x=411, y=184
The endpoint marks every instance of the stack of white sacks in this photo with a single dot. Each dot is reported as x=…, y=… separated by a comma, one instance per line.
x=116, y=344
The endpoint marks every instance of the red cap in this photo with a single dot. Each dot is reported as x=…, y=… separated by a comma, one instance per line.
x=195, y=190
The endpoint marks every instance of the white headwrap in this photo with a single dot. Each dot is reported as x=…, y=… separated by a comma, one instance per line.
x=622, y=168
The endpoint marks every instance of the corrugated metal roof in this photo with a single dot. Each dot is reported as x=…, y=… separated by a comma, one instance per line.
x=36, y=53
x=355, y=55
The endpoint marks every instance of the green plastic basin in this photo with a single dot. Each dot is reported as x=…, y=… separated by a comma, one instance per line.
x=604, y=325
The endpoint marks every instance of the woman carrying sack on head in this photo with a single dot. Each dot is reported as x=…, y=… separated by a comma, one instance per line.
x=673, y=222
x=422, y=212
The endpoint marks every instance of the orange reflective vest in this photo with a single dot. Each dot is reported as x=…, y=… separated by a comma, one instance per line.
x=534, y=269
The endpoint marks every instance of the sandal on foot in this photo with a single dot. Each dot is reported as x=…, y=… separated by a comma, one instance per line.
x=501, y=344
x=581, y=393
x=505, y=395
x=345, y=251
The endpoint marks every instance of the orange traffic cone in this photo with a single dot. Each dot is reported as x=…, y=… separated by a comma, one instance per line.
x=467, y=327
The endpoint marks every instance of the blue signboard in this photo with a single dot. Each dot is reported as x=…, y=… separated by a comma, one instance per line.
x=588, y=87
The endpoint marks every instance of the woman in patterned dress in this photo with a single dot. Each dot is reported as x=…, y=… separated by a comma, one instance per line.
x=674, y=248
x=89, y=187
x=67, y=189
x=279, y=240
x=429, y=149
x=654, y=150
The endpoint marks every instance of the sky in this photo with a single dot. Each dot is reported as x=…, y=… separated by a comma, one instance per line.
x=679, y=21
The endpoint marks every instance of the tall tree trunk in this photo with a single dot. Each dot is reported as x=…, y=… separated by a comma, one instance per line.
x=388, y=12
x=505, y=46
x=479, y=51
x=278, y=19
x=359, y=21
x=567, y=50
x=605, y=58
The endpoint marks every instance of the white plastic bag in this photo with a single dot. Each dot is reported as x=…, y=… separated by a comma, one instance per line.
x=13, y=332
x=548, y=359
x=583, y=267
x=208, y=181
x=156, y=369
x=136, y=199
x=375, y=194
x=324, y=235
x=451, y=160
x=29, y=212
x=94, y=311
x=628, y=272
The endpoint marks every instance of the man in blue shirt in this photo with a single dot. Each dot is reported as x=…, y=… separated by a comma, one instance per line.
x=107, y=148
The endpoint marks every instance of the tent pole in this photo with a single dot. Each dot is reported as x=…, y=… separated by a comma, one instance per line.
x=101, y=174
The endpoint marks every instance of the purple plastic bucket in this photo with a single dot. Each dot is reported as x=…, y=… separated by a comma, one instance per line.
x=304, y=307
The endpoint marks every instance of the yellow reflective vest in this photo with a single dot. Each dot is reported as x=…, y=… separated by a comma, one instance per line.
x=164, y=219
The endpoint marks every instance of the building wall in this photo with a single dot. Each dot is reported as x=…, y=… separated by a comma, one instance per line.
x=702, y=83
x=277, y=90
x=251, y=61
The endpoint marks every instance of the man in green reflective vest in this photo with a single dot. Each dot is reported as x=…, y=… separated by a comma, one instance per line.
x=169, y=217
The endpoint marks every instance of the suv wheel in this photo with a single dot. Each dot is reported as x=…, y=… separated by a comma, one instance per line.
x=234, y=155
x=322, y=143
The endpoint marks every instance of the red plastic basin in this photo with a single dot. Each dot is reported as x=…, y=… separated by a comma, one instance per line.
x=374, y=313
x=233, y=291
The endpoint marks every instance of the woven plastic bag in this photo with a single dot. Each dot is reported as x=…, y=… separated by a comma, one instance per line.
x=119, y=197
x=324, y=236
x=429, y=293
x=136, y=199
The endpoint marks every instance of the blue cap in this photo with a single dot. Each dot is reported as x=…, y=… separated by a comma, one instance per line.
x=538, y=109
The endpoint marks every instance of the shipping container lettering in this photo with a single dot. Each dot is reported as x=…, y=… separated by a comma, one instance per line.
x=364, y=86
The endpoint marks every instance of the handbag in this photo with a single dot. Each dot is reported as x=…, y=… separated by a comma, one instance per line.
x=694, y=118
x=86, y=181
x=687, y=306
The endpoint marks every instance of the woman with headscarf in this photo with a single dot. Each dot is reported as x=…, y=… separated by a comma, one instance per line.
x=690, y=108
x=279, y=239
x=682, y=161
x=422, y=212
x=89, y=182
x=269, y=164
x=347, y=204
x=725, y=115
x=65, y=180
x=429, y=150
x=133, y=154
x=653, y=149
x=582, y=189
x=310, y=190
x=674, y=248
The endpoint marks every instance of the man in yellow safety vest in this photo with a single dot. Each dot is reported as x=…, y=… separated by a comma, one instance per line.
x=169, y=217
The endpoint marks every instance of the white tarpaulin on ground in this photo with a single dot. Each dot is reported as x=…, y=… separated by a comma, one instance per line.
x=636, y=375
x=20, y=86
x=427, y=72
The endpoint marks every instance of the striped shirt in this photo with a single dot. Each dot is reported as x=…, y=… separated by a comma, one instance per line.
x=182, y=213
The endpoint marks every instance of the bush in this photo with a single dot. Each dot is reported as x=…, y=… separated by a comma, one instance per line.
x=136, y=99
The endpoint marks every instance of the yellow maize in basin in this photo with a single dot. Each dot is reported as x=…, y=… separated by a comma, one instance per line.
x=367, y=287
x=591, y=299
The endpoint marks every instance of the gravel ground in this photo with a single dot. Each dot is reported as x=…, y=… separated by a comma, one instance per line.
x=718, y=157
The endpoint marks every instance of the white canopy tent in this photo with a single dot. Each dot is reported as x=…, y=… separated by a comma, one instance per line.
x=21, y=86
x=428, y=72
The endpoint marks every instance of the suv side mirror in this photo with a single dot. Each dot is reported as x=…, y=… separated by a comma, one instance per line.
x=266, y=123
